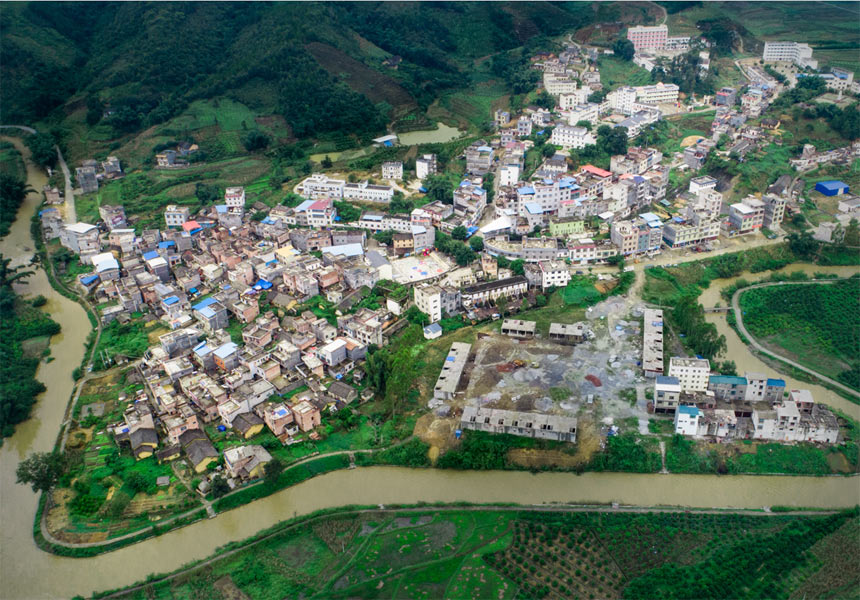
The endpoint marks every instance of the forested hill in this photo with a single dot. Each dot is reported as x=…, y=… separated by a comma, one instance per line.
x=318, y=65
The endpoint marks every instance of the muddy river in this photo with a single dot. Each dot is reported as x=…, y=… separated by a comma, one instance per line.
x=27, y=572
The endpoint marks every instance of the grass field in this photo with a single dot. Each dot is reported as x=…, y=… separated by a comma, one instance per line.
x=499, y=555
x=615, y=72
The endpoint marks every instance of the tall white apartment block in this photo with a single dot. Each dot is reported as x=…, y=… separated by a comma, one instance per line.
x=571, y=137
x=659, y=93
x=574, y=98
x=692, y=373
x=622, y=100
x=648, y=38
x=558, y=84
x=234, y=197
x=425, y=166
x=799, y=54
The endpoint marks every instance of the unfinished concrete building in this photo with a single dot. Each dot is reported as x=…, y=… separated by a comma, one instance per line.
x=452, y=370
x=569, y=333
x=519, y=329
x=513, y=422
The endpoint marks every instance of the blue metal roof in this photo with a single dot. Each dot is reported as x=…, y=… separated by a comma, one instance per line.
x=667, y=379
x=526, y=190
x=166, y=244
x=207, y=312
x=89, y=279
x=533, y=208
x=776, y=383
x=150, y=255
x=170, y=300
x=204, y=303
x=688, y=410
x=727, y=379
x=226, y=350
x=262, y=284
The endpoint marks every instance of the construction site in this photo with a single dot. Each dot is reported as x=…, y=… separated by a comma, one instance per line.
x=599, y=381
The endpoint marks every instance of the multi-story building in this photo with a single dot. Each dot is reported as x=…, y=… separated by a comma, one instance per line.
x=524, y=127
x=470, y=199
x=652, y=342
x=622, y=100
x=727, y=96
x=636, y=162
x=379, y=222
x=481, y=293
x=680, y=234
x=586, y=250
x=554, y=273
x=648, y=38
x=667, y=394
x=799, y=54
x=176, y=216
x=319, y=185
x=583, y=112
x=80, y=238
x=568, y=136
x=659, y=93
x=774, y=211
x=574, y=98
x=692, y=373
x=479, y=158
x=234, y=197
x=550, y=193
x=744, y=217
x=642, y=235
x=86, y=178
x=368, y=192
x=452, y=370
x=425, y=165
x=699, y=184
x=392, y=169
x=556, y=84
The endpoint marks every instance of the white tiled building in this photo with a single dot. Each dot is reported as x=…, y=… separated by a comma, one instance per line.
x=568, y=136
x=692, y=373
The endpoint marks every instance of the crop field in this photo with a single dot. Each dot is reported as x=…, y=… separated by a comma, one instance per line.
x=817, y=325
x=499, y=555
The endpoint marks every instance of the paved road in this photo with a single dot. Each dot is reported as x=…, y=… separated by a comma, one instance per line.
x=752, y=342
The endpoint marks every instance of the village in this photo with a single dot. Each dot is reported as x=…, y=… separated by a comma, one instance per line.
x=270, y=312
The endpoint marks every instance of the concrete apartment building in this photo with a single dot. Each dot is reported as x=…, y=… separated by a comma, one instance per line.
x=652, y=342
x=368, y=192
x=425, y=165
x=113, y=216
x=234, y=197
x=392, y=169
x=481, y=293
x=648, y=38
x=80, y=238
x=436, y=301
x=86, y=178
x=554, y=273
x=636, y=162
x=525, y=424
x=568, y=137
x=452, y=370
x=319, y=185
x=692, y=373
x=794, y=52
x=176, y=216
x=667, y=394
x=479, y=158
x=744, y=217
x=659, y=93
x=571, y=100
x=774, y=211
x=556, y=84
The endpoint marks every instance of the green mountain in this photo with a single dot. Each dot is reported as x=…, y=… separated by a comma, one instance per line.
x=320, y=66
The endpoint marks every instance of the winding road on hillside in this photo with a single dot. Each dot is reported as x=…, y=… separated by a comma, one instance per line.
x=752, y=341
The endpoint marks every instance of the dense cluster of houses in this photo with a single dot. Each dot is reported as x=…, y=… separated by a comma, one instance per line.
x=731, y=407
